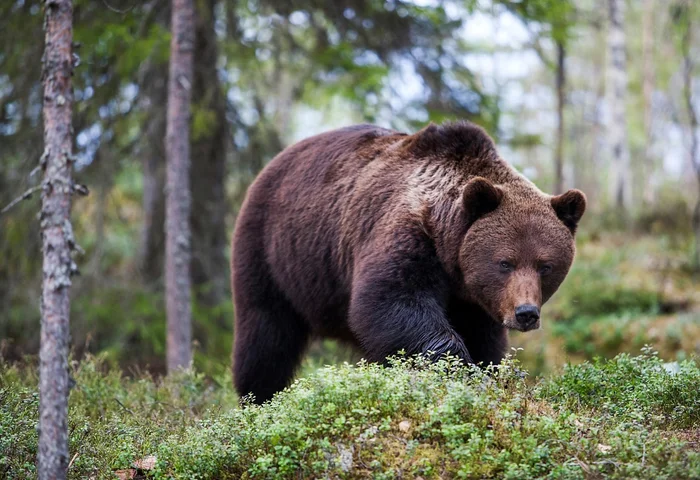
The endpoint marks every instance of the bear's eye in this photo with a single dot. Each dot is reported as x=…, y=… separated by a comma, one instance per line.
x=506, y=266
x=545, y=270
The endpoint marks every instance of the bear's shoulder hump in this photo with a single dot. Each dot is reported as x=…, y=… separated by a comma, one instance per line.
x=459, y=140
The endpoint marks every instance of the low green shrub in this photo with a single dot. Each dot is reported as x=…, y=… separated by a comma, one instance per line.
x=607, y=419
x=632, y=388
x=670, y=215
x=596, y=289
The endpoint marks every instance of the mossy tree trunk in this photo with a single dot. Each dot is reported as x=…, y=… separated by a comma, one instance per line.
x=57, y=238
x=178, y=196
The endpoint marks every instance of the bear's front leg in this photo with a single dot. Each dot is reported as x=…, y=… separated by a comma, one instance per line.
x=399, y=303
x=486, y=338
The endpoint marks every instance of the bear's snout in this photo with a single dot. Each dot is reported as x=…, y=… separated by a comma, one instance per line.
x=521, y=301
x=527, y=317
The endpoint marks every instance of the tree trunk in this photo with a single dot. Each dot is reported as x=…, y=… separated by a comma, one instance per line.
x=561, y=100
x=177, y=145
x=210, y=276
x=57, y=239
x=648, y=92
x=153, y=230
x=209, y=266
x=617, y=93
x=154, y=85
x=686, y=45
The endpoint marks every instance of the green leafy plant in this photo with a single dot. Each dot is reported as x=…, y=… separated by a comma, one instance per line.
x=621, y=418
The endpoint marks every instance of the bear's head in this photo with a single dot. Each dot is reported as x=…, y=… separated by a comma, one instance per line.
x=518, y=248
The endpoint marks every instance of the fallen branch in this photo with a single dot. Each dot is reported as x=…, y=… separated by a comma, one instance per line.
x=72, y=460
x=24, y=196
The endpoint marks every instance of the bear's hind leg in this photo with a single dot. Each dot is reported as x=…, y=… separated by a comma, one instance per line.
x=269, y=342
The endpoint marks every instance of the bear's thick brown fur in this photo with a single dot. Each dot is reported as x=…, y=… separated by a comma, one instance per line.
x=424, y=243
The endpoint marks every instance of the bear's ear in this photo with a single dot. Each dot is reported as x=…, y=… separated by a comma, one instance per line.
x=480, y=197
x=569, y=207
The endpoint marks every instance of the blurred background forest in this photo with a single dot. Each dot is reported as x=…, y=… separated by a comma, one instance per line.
x=600, y=95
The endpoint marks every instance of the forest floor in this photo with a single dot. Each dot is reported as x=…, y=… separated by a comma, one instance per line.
x=630, y=417
x=552, y=411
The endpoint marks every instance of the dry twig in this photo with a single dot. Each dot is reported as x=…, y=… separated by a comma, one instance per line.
x=24, y=196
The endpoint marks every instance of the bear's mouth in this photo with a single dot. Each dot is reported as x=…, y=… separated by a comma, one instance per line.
x=513, y=324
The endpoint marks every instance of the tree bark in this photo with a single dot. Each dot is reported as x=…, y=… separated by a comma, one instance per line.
x=154, y=85
x=178, y=197
x=210, y=276
x=153, y=229
x=57, y=239
x=688, y=66
x=648, y=92
x=561, y=101
x=621, y=191
x=209, y=266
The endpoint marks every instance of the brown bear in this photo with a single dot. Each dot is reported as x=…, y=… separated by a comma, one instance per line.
x=427, y=243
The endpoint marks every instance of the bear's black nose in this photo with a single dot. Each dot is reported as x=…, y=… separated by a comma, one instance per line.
x=527, y=315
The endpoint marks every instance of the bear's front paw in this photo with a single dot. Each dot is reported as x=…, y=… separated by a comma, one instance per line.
x=447, y=344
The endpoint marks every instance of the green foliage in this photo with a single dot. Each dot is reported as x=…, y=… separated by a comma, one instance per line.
x=556, y=16
x=123, y=43
x=135, y=336
x=670, y=216
x=113, y=420
x=213, y=335
x=601, y=288
x=612, y=419
x=202, y=121
x=633, y=389
x=592, y=336
x=327, y=352
x=19, y=409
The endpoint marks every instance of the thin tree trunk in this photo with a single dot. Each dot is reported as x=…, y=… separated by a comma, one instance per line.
x=209, y=266
x=57, y=239
x=599, y=140
x=93, y=266
x=561, y=100
x=153, y=230
x=686, y=45
x=178, y=198
x=154, y=85
x=648, y=91
x=617, y=93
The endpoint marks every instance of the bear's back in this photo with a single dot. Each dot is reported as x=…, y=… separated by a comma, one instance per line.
x=294, y=211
